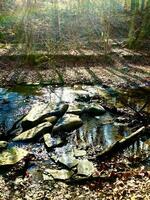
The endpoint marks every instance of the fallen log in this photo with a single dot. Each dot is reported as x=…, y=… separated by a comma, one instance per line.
x=120, y=145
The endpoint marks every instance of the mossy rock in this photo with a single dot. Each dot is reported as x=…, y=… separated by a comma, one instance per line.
x=12, y=156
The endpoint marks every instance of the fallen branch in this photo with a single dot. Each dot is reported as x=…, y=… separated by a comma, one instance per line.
x=120, y=145
x=138, y=113
x=144, y=106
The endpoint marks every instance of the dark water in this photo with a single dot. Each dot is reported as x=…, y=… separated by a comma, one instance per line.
x=98, y=132
x=12, y=105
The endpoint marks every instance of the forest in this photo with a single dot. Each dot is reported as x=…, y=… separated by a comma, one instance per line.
x=74, y=99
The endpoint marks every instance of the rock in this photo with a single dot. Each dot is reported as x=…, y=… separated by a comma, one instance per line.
x=18, y=181
x=76, y=109
x=12, y=156
x=39, y=112
x=94, y=110
x=120, y=124
x=3, y=144
x=85, y=168
x=79, y=153
x=68, y=160
x=52, y=142
x=51, y=120
x=102, y=93
x=82, y=96
x=67, y=124
x=122, y=119
x=34, y=133
x=105, y=119
x=62, y=174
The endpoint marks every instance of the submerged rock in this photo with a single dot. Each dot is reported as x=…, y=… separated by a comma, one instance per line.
x=67, y=123
x=52, y=142
x=3, y=144
x=62, y=174
x=34, y=133
x=12, y=156
x=85, y=168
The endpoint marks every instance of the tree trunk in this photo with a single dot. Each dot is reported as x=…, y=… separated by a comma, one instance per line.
x=133, y=2
x=57, y=20
x=142, y=5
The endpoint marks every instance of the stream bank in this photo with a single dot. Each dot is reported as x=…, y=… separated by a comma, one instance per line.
x=122, y=68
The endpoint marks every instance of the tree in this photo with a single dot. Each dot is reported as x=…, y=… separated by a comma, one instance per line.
x=142, y=4
x=145, y=26
x=140, y=26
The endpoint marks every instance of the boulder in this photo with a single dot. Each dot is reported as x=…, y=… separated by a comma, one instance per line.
x=67, y=124
x=50, y=174
x=52, y=142
x=85, y=168
x=3, y=144
x=12, y=156
x=94, y=110
x=39, y=112
x=34, y=133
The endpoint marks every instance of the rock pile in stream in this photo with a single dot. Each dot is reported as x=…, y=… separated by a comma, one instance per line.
x=52, y=127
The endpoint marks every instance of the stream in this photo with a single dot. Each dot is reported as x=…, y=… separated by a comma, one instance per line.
x=96, y=133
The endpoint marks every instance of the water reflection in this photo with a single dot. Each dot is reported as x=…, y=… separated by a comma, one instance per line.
x=108, y=136
x=99, y=131
x=12, y=105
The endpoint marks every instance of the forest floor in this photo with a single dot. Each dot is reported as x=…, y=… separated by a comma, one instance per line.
x=130, y=184
x=121, y=68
